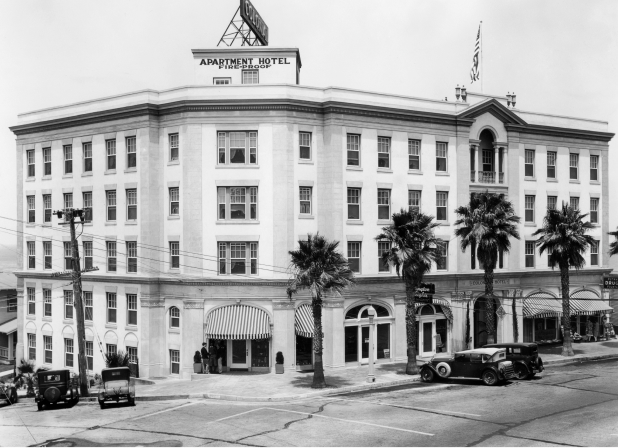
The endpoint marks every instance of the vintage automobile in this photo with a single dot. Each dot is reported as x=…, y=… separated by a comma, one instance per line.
x=487, y=364
x=8, y=392
x=56, y=386
x=525, y=358
x=116, y=385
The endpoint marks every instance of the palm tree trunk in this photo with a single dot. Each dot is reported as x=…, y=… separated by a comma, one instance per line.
x=489, y=305
x=319, y=381
x=411, y=367
x=515, y=323
x=467, y=325
x=567, y=347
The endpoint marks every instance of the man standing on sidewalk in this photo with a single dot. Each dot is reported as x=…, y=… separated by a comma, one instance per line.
x=205, y=357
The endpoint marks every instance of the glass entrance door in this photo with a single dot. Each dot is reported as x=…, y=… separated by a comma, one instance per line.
x=240, y=354
x=427, y=333
x=365, y=344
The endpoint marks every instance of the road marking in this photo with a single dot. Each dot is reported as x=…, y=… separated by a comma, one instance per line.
x=165, y=410
x=352, y=421
x=236, y=415
x=407, y=407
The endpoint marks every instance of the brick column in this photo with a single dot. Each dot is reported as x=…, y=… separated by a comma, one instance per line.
x=192, y=328
x=152, y=344
x=284, y=332
x=400, y=350
x=334, y=334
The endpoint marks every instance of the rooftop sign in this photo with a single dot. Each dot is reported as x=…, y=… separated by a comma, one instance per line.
x=253, y=19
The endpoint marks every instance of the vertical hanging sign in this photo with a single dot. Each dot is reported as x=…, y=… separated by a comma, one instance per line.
x=253, y=19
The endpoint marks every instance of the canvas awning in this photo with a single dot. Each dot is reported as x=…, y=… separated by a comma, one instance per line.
x=445, y=304
x=8, y=327
x=238, y=322
x=303, y=321
x=587, y=303
x=540, y=305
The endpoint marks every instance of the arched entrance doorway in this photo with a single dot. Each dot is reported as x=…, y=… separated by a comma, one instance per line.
x=480, y=324
x=432, y=329
x=357, y=333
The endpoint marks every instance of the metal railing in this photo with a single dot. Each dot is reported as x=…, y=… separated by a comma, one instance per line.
x=486, y=177
x=4, y=352
x=501, y=178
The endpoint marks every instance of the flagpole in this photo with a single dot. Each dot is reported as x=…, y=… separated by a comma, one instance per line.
x=482, y=67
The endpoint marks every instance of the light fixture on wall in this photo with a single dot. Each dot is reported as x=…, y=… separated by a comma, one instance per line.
x=457, y=92
x=464, y=93
x=508, y=99
x=513, y=97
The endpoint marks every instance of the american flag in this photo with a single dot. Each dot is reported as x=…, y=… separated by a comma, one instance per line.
x=475, y=73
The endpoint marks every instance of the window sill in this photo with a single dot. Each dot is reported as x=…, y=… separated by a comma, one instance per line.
x=130, y=223
x=173, y=217
x=594, y=224
x=111, y=224
x=595, y=182
x=87, y=224
x=529, y=224
x=67, y=176
x=131, y=170
x=384, y=170
x=87, y=174
x=237, y=166
x=68, y=321
x=353, y=168
x=301, y=216
x=530, y=178
x=47, y=224
x=415, y=172
x=306, y=161
x=237, y=221
x=384, y=222
x=354, y=222
x=552, y=179
x=130, y=327
x=31, y=224
x=574, y=181
x=442, y=173
x=46, y=177
x=173, y=330
x=47, y=318
x=110, y=172
x=29, y=317
x=88, y=323
x=30, y=179
x=444, y=223
x=114, y=326
x=173, y=162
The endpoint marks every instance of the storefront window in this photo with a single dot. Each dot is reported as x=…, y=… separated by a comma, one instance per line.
x=304, y=351
x=384, y=341
x=357, y=333
x=259, y=353
x=351, y=344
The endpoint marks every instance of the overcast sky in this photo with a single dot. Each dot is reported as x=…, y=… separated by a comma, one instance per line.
x=559, y=57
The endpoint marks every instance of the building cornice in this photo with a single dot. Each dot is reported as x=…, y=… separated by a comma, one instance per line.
x=551, y=131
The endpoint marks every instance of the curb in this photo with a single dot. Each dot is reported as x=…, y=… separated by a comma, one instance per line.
x=568, y=361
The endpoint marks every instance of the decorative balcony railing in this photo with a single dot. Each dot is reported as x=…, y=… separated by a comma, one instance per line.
x=486, y=177
x=4, y=352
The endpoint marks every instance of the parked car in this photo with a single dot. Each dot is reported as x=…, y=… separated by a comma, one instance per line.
x=116, y=385
x=56, y=386
x=8, y=392
x=487, y=364
x=525, y=358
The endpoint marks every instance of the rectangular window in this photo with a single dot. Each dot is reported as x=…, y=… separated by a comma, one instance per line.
x=47, y=344
x=594, y=254
x=304, y=142
x=32, y=347
x=111, y=205
x=68, y=159
x=87, y=199
x=11, y=305
x=222, y=145
x=549, y=252
x=131, y=152
x=174, y=147
x=305, y=200
x=551, y=164
x=441, y=156
x=68, y=200
x=111, y=349
x=414, y=154
x=174, y=254
x=574, y=202
x=87, y=148
x=175, y=354
x=221, y=81
x=488, y=160
x=441, y=205
x=174, y=201
x=111, y=256
x=594, y=167
x=384, y=203
x=68, y=255
x=110, y=145
x=222, y=258
x=47, y=166
x=354, y=256
x=47, y=303
x=131, y=256
x=574, y=166
x=529, y=163
x=383, y=246
x=132, y=351
x=47, y=254
x=111, y=308
x=68, y=304
x=131, y=205
x=31, y=293
x=237, y=148
x=250, y=77
x=68, y=352
x=88, y=306
x=442, y=259
x=253, y=247
x=353, y=145
x=237, y=203
x=47, y=208
x=594, y=210
x=90, y=355
x=31, y=209
x=30, y=157
x=551, y=202
x=31, y=254
x=529, y=208
x=131, y=309
x=500, y=259
x=529, y=254
x=354, y=195
x=384, y=152
x=238, y=258
x=87, y=254
x=414, y=200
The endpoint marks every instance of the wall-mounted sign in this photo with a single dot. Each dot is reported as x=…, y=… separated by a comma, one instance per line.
x=252, y=18
x=424, y=293
x=244, y=63
x=610, y=282
x=503, y=281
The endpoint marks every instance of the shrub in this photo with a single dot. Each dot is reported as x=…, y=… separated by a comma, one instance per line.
x=118, y=359
x=279, y=358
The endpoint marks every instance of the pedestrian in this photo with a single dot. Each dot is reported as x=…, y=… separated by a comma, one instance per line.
x=220, y=358
x=205, y=358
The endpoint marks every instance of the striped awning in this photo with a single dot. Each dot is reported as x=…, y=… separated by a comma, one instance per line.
x=541, y=304
x=238, y=322
x=445, y=304
x=587, y=303
x=303, y=321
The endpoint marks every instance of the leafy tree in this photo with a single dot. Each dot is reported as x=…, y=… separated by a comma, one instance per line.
x=613, y=247
x=413, y=249
x=563, y=236
x=486, y=224
x=27, y=375
x=318, y=266
x=118, y=359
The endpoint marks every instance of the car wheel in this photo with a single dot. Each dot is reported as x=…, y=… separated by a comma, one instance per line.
x=490, y=378
x=131, y=401
x=39, y=406
x=102, y=404
x=521, y=371
x=427, y=375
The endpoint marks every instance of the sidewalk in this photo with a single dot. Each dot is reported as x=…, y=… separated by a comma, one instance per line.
x=584, y=351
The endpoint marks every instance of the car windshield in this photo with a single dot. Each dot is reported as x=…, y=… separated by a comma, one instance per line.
x=499, y=356
x=51, y=378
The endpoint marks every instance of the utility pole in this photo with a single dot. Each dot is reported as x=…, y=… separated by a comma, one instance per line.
x=77, y=297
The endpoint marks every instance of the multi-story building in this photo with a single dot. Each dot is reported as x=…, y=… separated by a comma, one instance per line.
x=198, y=193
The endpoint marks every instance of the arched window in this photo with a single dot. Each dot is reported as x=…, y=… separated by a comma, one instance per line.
x=174, y=317
x=353, y=313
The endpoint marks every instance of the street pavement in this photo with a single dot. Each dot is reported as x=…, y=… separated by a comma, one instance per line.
x=573, y=405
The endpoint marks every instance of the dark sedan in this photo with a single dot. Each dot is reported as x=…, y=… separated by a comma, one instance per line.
x=525, y=358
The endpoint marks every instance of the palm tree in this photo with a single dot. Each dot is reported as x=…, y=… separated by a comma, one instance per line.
x=413, y=249
x=486, y=223
x=117, y=359
x=318, y=266
x=613, y=247
x=27, y=375
x=563, y=236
